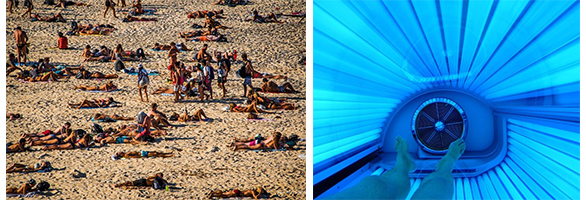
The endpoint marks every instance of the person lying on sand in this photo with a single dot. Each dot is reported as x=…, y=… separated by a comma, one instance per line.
x=102, y=55
x=18, y=147
x=119, y=54
x=270, y=86
x=167, y=91
x=148, y=182
x=24, y=189
x=250, y=108
x=102, y=140
x=132, y=131
x=204, y=13
x=137, y=5
x=49, y=76
x=219, y=38
x=84, y=142
x=196, y=33
x=106, y=87
x=26, y=168
x=141, y=154
x=254, y=193
x=53, y=139
x=94, y=103
x=130, y=18
x=13, y=116
x=159, y=47
x=64, y=3
x=94, y=29
x=99, y=75
x=116, y=117
x=199, y=115
x=210, y=22
x=63, y=130
x=260, y=19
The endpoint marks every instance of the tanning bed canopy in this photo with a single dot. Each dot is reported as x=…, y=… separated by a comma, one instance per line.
x=438, y=122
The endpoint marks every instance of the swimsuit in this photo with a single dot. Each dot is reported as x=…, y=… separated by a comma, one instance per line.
x=120, y=140
x=140, y=182
x=281, y=89
x=144, y=153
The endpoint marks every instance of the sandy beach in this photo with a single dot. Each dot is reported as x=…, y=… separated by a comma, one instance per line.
x=203, y=161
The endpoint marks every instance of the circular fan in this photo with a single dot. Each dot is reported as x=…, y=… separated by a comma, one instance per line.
x=437, y=123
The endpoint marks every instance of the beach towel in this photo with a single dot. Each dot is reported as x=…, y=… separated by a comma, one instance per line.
x=98, y=91
x=171, y=95
x=27, y=63
x=27, y=195
x=261, y=119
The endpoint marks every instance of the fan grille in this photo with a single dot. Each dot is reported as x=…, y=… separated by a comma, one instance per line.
x=437, y=123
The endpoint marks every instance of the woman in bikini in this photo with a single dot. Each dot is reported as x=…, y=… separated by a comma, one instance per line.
x=250, y=108
x=274, y=104
x=18, y=147
x=255, y=74
x=119, y=53
x=99, y=116
x=106, y=87
x=49, y=76
x=94, y=103
x=56, y=18
x=54, y=139
x=142, y=154
x=111, y=139
x=270, y=86
x=84, y=142
x=213, y=23
x=26, y=168
x=254, y=193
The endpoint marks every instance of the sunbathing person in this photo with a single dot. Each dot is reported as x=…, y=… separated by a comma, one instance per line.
x=61, y=132
x=169, y=91
x=54, y=139
x=49, y=76
x=270, y=86
x=130, y=18
x=95, y=103
x=260, y=19
x=199, y=115
x=24, y=189
x=213, y=23
x=18, y=147
x=141, y=154
x=25, y=168
x=219, y=38
x=250, y=139
x=13, y=116
x=106, y=87
x=119, y=54
x=137, y=8
x=254, y=193
x=197, y=33
x=99, y=116
x=250, y=108
x=204, y=13
x=84, y=142
x=255, y=74
x=159, y=47
x=110, y=139
x=269, y=143
x=11, y=64
x=56, y=18
x=102, y=55
x=148, y=182
x=64, y=3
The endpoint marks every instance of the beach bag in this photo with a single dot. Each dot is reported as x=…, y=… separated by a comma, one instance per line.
x=96, y=128
x=158, y=183
x=118, y=65
x=43, y=186
x=141, y=116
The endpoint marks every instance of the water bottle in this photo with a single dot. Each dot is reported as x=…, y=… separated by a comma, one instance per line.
x=166, y=188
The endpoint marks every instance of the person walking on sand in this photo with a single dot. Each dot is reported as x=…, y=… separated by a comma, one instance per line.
x=177, y=81
x=21, y=40
x=173, y=57
x=29, y=7
x=110, y=5
x=143, y=82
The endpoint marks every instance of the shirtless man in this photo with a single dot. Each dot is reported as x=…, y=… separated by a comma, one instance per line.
x=204, y=13
x=173, y=51
x=270, y=86
x=56, y=18
x=203, y=54
x=21, y=40
x=159, y=117
x=130, y=18
x=148, y=182
x=18, y=147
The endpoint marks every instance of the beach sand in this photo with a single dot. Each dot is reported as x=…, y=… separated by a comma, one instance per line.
x=205, y=162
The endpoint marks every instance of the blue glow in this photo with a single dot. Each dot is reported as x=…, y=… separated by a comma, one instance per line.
x=519, y=58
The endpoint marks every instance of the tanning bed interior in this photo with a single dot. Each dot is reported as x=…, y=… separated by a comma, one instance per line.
x=503, y=75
